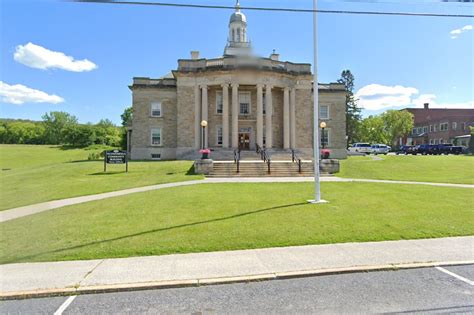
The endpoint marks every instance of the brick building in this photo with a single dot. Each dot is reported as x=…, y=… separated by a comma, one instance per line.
x=246, y=101
x=439, y=125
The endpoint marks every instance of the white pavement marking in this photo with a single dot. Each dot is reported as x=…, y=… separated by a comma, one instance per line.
x=63, y=306
x=455, y=275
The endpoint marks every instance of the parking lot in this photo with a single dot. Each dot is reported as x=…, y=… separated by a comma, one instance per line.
x=424, y=290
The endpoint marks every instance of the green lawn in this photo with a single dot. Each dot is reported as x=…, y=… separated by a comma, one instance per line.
x=32, y=174
x=212, y=217
x=441, y=169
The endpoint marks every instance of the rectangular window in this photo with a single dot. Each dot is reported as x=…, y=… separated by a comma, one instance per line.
x=156, y=109
x=219, y=135
x=431, y=141
x=264, y=103
x=156, y=156
x=435, y=128
x=326, y=137
x=413, y=132
x=463, y=126
x=441, y=141
x=443, y=126
x=431, y=128
x=455, y=125
x=244, y=101
x=425, y=129
x=324, y=112
x=156, y=136
x=219, y=102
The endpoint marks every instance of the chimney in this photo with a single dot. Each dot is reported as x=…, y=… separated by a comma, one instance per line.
x=194, y=55
x=426, y=105
x=274, y=56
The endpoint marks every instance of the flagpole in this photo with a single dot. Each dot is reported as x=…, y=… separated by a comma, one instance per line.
x=316, y=153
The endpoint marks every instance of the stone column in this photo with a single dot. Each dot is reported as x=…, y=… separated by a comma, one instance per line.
x=204, y=114
x=235, y=115
x=268, y=117
x=225, y=115
x=286, y=118
x=260, y=115
x=197, y=117
x=293, y=118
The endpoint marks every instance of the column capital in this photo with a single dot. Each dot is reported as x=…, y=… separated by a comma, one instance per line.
x=204, y=86
x=269, y=87
x=260, y=85
x=234, y=85
x=286, y=89
x=225, y=85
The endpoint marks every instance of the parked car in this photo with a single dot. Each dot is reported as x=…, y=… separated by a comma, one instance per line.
x=360, y=148
x=406, y=149
x=448, y=148
x=380, y=149
x=425, y=149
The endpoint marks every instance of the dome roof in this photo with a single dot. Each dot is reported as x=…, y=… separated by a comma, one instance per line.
x=238, y=17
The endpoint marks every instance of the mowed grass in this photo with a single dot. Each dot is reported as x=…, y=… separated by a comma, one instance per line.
x=440, y=169
x=215, y=217
x=32, y=174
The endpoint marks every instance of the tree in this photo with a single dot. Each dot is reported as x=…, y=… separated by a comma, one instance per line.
x=372, y=130
x=127, y=117
x=397, y=124
x=55, y=125
x=353, y=116
x=79, y=135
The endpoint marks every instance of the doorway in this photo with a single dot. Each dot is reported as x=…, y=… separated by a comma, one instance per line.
x=244, y=141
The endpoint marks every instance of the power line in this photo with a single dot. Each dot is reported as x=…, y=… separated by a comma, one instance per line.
x=292, y=10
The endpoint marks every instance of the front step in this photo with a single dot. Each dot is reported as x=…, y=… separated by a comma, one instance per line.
x=260, y=169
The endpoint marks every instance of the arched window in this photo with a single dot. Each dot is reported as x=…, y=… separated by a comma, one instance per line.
x=238, y=34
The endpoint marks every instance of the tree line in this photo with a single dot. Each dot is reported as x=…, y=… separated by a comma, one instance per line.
x=61, y=128
x=386, y=128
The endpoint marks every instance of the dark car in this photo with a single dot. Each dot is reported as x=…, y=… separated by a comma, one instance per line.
x=423, y=149
x=406, y=149
x=448, y=148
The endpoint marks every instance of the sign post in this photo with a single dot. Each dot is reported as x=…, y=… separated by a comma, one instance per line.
x=115, y=157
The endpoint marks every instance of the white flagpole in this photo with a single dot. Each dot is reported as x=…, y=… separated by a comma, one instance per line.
x=316, y=153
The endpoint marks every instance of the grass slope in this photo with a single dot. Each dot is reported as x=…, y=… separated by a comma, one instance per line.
x=213, y=217
x=440, y=169
x=32, y=174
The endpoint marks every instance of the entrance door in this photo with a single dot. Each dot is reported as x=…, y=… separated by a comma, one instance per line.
x=244, y=141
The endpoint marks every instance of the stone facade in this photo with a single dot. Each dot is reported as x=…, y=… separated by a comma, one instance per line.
x=278, y=96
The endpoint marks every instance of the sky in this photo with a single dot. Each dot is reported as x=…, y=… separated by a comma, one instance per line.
x=81, y=57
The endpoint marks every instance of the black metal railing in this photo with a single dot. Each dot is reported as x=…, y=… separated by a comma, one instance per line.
x=296, y=159
x=237, y=159
x=265, y=156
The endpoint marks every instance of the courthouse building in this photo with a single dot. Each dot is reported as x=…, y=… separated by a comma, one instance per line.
x=246, y=101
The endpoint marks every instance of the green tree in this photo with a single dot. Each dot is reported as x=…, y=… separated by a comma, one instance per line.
x=127, y=116
x=79, y=135
x=55, y=124
x=353, y=116
x=372, y=130
x=397, y=124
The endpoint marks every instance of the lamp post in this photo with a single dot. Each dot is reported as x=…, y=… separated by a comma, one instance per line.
x=323, y=137
x=203, y=125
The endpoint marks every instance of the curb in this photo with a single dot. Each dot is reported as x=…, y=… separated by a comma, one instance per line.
x=42, y=293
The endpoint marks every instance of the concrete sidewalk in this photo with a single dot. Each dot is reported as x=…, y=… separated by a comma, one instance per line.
x=106, y=275
x=10, y=214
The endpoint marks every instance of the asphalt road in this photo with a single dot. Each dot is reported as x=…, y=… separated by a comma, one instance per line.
x=426, y=290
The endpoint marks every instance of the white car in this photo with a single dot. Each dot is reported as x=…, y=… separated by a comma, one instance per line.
x=360, y=148
x=380, y=149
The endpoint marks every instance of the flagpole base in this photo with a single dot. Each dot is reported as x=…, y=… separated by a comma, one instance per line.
x=316, y=202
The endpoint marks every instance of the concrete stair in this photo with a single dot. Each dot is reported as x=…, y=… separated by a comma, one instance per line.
x=260, y=169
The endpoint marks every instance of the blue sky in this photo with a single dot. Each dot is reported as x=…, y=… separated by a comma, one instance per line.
x=397, y=61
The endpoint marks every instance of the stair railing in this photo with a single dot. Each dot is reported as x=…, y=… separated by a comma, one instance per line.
x=265, y=156
x=237, y=159
x=296, y=159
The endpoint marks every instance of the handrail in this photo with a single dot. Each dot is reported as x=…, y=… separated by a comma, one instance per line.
x=295, y=158
x=237, y=159
x=265, y=156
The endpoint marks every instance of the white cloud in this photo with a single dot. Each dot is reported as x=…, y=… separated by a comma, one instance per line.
x=377, y=96
x=455, y=33
x=431, y=99
x=18, y=94
x=38, y=57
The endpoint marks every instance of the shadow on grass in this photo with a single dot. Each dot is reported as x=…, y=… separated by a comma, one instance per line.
x=107, y=173
x=155, y=231
x=191, y=171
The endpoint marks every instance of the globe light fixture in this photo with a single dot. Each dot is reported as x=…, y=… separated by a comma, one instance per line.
x=203, y=125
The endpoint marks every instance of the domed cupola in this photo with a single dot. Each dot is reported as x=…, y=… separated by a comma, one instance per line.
x=237, y=42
